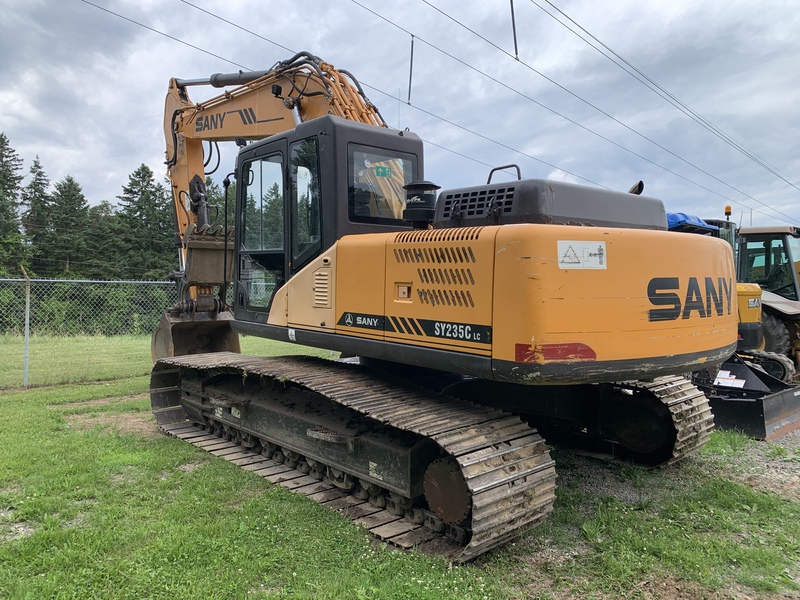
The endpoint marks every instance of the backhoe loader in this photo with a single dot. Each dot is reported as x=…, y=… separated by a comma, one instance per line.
x=753, y=391
x=473, y=318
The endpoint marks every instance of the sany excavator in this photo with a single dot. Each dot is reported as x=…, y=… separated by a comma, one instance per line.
x=480, y=317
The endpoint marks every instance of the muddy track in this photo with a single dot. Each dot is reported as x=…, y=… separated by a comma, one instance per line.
x=503, y=477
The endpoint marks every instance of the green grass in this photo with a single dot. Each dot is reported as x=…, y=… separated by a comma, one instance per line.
x=57, y=360
x=89, y=512
x=709, y=534
x=91, y=508
x=689, y=524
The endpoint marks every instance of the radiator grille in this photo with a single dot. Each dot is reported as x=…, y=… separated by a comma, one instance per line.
x=477, y=203
x=443, y=260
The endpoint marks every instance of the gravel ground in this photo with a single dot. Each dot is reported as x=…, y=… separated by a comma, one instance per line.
x=770, y=467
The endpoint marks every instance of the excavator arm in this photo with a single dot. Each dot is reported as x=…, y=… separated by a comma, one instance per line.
x=261, y=104
x=253, y=106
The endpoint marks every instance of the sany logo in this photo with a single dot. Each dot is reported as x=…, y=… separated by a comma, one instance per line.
x=662, y=292
x=217, y=121
x=207, y=122
x=375, y=322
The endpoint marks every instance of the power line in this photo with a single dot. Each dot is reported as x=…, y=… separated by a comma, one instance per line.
x=583, y=100
x=428, y=112
x=166, y=35
x=289, y=50
x=409, y=104
x=637, y=74
x=533, y=100
x=231, y=23
x=452, y=123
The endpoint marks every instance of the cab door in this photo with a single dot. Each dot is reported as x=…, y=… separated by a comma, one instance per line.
x=262, y=232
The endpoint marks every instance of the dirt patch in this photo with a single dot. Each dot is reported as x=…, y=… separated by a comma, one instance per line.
x=764, y=466
x=189, y=467
x=669, y=588
x=141, y=424
x=666, y=588
x=12, y=531
x=99, y=402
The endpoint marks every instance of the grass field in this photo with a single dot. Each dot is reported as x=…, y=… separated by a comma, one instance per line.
x=96, y=503
x=56, y=360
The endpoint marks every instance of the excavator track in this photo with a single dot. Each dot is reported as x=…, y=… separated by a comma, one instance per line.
x=690, y=410
x=654, y=423
x=492, y=476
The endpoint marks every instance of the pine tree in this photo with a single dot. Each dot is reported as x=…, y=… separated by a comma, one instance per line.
x=68, y=249
x=216, y=203
x=36, y=219
x=104, y=252
x=146, y=228
x=264, y=220
x=11, y=246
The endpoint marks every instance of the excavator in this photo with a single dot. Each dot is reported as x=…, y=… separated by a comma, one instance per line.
x=469, y=321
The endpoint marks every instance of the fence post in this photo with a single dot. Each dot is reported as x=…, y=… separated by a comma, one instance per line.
x=27, y=326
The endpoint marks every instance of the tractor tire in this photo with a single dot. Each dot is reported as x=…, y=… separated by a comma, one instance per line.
x=776, y=336
x=779, y=366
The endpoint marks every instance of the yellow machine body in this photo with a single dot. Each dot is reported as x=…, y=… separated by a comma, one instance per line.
x=749, y=302
x=544, y=303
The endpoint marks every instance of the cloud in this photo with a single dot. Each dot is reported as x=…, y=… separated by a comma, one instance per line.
x=83, y=88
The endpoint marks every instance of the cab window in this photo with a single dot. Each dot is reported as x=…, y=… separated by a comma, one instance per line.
x=261, y=242
x=305, y=202
x=765, y=260
x=376, y=180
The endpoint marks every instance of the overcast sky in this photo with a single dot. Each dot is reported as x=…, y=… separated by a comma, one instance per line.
x=83, y=89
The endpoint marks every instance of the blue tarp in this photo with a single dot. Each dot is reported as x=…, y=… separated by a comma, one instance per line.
x=689, y=223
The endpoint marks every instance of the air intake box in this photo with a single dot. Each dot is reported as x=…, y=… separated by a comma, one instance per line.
x=544, y=201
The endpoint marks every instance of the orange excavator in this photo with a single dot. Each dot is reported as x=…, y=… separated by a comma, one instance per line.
x=475, y=318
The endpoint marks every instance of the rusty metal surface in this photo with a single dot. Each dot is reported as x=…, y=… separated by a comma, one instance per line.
x=504, y=463
x=447, y=492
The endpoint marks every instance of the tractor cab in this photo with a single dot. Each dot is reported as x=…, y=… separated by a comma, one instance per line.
x=770, y=257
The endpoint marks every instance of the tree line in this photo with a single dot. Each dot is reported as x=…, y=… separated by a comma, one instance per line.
x=51, y=231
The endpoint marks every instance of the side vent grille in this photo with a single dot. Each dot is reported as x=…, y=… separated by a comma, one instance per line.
x=444, y=265
x=464, y=234
x=439, y=297
x=322, y=288
x=436, y=255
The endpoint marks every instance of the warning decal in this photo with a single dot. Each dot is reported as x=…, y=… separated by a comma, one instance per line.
x=579, y=254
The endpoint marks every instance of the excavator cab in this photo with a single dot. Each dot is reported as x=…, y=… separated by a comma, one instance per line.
x=299, y=192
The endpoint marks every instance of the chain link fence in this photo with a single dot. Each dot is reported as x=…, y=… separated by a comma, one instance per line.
x=81, y=331
x=78, y=330
x=80, y=307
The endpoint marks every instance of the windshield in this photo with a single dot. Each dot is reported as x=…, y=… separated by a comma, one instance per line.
x=771, y=262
